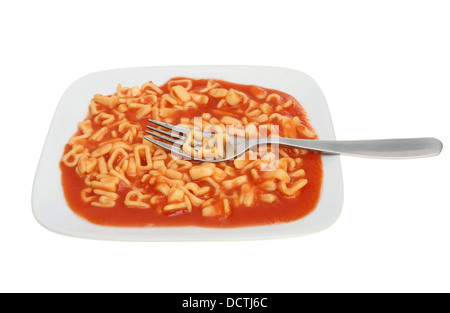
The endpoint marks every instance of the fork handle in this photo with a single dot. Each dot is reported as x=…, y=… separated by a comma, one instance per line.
x=380, y=148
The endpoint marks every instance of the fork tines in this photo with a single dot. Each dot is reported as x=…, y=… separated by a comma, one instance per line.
x=175, y=137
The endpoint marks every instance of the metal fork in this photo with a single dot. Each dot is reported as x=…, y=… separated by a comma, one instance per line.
x=404, y=148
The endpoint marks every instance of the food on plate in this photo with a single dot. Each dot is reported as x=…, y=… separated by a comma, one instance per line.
x=112, y=175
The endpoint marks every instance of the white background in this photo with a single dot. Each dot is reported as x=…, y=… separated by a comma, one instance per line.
x=384, y=67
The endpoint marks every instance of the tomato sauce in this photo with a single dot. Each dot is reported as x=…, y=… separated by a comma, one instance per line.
x=285, y=209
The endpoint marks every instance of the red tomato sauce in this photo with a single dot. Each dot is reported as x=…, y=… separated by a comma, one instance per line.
x=285, y=209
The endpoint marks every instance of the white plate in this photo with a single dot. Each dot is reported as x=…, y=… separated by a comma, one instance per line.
x=52, y=211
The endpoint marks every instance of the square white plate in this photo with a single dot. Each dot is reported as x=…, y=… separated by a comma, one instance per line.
x=52, y=211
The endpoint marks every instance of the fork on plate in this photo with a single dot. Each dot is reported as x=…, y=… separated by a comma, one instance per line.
x=174, y=137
